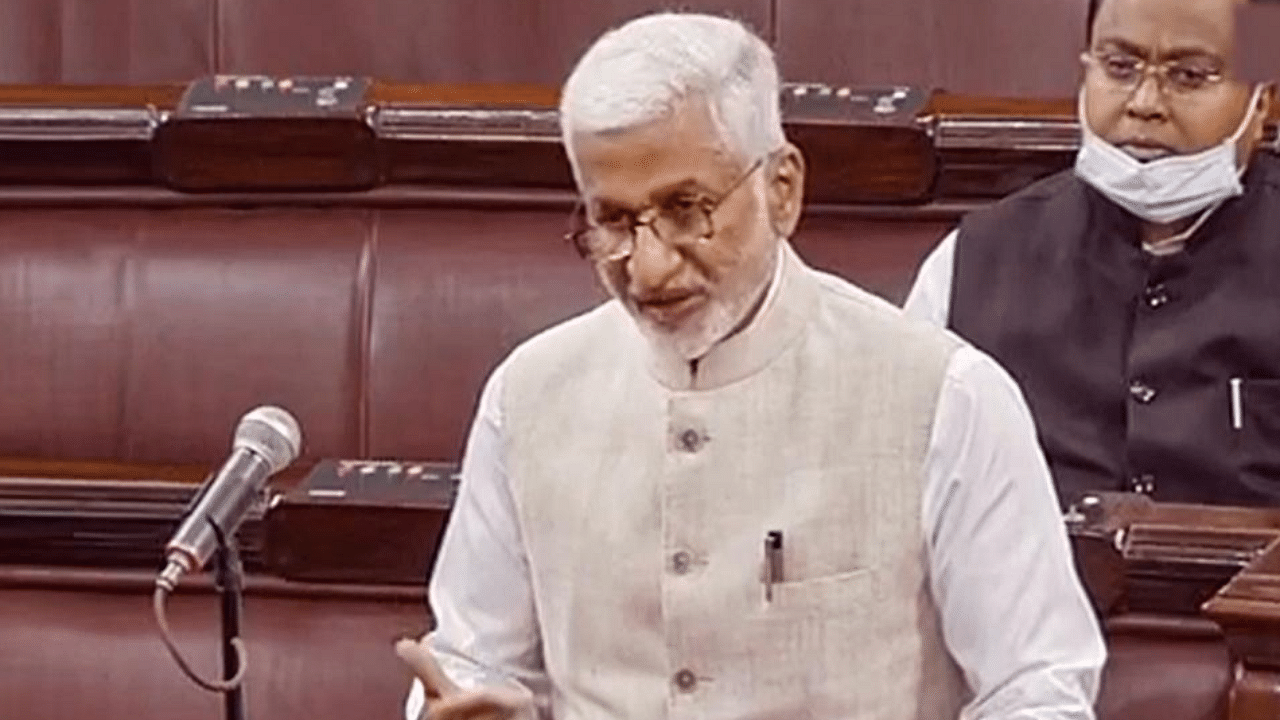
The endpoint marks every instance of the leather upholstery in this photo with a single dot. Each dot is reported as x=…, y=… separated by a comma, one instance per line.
x=1150, y=677
x=141, y=335
x=98, y=655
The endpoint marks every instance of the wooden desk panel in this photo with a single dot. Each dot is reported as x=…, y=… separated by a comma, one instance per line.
x=489, y=137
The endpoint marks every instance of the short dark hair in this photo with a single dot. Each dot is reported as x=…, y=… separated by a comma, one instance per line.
x=1088, y=21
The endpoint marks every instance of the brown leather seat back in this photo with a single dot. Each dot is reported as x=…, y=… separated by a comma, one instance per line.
x=141, y=335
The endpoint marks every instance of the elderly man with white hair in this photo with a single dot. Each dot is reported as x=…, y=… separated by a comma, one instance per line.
x=742, y=488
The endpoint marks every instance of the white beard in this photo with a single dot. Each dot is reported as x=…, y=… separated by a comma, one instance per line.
x=697, y=337
x=716, y=321
x=710, y=325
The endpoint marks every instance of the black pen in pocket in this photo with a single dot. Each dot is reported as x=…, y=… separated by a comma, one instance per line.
x=772, y=562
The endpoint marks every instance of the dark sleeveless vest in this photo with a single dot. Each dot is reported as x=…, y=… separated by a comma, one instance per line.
x=1127, y=359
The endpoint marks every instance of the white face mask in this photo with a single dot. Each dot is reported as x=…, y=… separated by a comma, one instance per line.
x=1168, y=188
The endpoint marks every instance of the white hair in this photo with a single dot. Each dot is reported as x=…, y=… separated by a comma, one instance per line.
x=642, y=71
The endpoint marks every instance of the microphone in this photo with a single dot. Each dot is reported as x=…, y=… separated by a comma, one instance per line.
x=267, y=439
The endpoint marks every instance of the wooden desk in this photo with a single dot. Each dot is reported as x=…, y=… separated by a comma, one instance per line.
x=1193, y=586
x=79, y=641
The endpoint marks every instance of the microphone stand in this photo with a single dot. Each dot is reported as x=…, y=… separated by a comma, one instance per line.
x=229, y=581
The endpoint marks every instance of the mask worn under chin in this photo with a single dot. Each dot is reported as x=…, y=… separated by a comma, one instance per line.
x=1168, y=188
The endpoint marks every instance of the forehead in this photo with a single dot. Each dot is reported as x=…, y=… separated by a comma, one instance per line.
x=626, y=166
x=1169, y=26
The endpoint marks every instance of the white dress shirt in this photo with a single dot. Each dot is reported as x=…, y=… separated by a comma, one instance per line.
x=1015, y=618
x=930, y=296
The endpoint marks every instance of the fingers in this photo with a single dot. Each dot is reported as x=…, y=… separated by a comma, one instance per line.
x=425, y=668
x=487, y=704
x=448, y=702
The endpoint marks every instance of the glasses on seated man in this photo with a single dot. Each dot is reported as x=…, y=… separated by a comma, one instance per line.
x=1149, y=358
x=1184, y=76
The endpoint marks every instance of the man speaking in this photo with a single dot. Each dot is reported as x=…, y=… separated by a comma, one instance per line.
x=742, y=488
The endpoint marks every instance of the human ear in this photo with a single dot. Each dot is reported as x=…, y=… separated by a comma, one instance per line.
x=786, y=189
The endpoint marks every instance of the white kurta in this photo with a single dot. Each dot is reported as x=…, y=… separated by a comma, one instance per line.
x=606, y=546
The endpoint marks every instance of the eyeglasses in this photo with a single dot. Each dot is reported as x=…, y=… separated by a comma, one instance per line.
x=1128, y=71
x=677, y=221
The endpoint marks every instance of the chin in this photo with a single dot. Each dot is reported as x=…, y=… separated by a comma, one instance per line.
x=695, y=336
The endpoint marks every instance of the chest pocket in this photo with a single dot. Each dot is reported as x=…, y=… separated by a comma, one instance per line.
x=835, y=594
x=1256, y=416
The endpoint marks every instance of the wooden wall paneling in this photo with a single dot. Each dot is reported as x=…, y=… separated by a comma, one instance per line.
x=439, y=41
x=1000, y=47
x=859, y=42
x=105, y=41
x=1006, y=48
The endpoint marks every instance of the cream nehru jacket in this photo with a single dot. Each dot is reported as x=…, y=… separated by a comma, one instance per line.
x=644, y=493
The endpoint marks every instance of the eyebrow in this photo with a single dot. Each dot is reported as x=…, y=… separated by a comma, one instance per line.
x=1182, y=53
x=662, y=193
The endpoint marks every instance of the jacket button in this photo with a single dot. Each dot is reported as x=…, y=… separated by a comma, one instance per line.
x=691, y=440
x=680, y=562
x=1156, y=296
x=1144, y=484
x=685, y=681
x=1141, y=392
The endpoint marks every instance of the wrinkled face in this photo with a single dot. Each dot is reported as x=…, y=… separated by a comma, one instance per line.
x=1155, y=118
x=688, y=294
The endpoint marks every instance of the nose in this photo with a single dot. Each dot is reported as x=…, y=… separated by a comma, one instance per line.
x=652, y=263
x=1147, y=101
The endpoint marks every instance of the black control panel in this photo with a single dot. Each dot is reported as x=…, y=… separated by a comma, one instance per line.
x=220, y=96
x=381, y=481
x=817, y=102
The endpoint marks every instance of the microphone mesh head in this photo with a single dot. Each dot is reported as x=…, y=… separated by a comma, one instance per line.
x=272, y=433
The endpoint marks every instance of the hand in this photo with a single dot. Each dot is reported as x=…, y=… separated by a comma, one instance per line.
x=447, y=701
